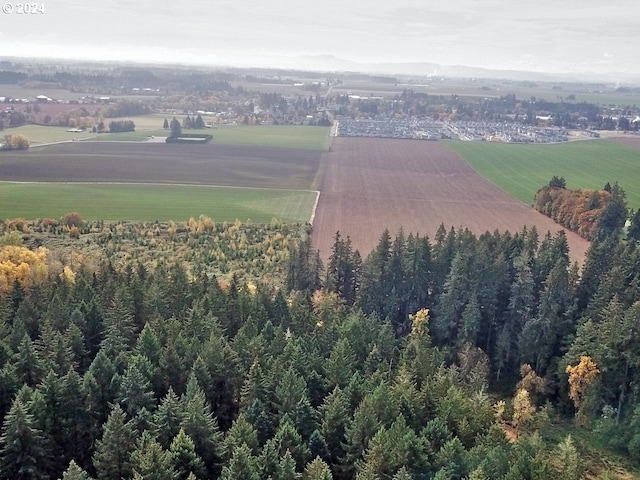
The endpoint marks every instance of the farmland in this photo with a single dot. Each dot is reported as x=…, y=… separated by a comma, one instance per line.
x=140, y=181
x=209, y=164
x=372, y=184
x=279, y=136
x=520, y=170
x=154, y=202
x=283, y=136
x=38, y=134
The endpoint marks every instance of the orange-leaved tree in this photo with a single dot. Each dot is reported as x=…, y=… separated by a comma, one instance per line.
x=581, y=376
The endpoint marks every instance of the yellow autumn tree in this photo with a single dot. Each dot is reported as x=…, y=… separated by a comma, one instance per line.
x=26, y=266
x=581, y=376
x=419, y=322
x=68, y=275
x=523, y=410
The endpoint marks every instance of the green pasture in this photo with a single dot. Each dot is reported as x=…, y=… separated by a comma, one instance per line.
x=139, y=202
x=38, y=134
x=286, y=136
x=520, y=170
x=137, y=136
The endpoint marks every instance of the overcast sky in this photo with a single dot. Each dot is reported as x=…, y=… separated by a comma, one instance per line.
x=535, y=35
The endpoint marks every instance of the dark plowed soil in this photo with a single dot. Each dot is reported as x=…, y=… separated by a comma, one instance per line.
x=208, y=164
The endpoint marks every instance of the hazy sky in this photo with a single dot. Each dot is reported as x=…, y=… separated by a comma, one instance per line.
x=535, y=35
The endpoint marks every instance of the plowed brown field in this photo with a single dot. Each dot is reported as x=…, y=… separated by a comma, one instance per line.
x=629, y=141
x=209, y=164
x=372, y=183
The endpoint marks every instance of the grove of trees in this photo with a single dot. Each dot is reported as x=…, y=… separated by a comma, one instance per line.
x=590, y=213
x=117, y=126
x=15, y=142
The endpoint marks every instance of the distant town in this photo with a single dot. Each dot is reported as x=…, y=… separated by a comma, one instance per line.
x=81, y=98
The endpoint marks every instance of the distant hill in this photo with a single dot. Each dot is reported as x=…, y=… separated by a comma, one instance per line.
x=331, y=63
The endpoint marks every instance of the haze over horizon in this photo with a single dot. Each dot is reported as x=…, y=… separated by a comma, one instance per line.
x=570, y=37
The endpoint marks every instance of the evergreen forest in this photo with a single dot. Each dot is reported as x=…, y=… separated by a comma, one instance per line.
x=443, y=358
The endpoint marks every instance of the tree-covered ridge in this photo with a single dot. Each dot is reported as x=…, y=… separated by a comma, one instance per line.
x=371, y=369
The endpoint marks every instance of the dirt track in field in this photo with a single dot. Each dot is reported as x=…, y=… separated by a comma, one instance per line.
x=371, y=184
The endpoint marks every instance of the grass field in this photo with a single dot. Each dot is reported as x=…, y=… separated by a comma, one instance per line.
x=285, y=136
x=520, y=170
x=153, y=202
x=40, y=134
x=277, y=163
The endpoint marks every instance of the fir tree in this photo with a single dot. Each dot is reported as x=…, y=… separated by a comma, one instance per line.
x=317, y=470
x=168, y=418
x=74, y=472
x=242, y=465
x=184, y=459
x=150, y=462
x=112, y=458
x=201, y=426
x=23, y=454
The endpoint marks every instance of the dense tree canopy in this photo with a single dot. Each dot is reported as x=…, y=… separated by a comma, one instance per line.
x=374, y=368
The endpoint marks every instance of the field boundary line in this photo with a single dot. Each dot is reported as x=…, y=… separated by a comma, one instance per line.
x=161, y=184
x=315, y=205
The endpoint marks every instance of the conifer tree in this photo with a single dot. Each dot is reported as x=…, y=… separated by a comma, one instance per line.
x=74, y=423
x=184, y=459
x=168, y=418
x=150, y=462
x=201, y=426
x=288, y=438
x=74, y=472
x=334, y=415
x=318, y=447
x=290, y=390
x=242, y=465
x=135, y=391
x=286, y=469
x=112, y=458
x=23, y=454
x=339, y=365
x=100, y=384
x=28, y=366
x=317, y=470
x=119, y=335
x=241, y=432
x=569, y=465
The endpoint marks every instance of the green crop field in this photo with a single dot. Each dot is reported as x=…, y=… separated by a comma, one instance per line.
x=153, y=202
x=38, y=134
x=520, y=170
x=285, y=136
